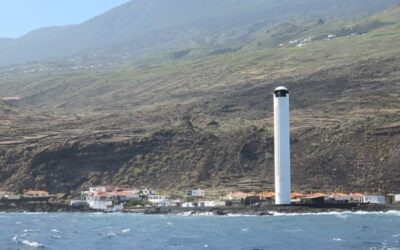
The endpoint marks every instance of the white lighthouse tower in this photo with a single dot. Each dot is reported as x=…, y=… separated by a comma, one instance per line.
x=282, y=146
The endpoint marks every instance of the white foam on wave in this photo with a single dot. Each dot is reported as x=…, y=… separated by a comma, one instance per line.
x=337, y=239
x=127, y=230
x=32, y=243
x=31, y=230
x=294, y=230
x=240, y=215
x=302, y=214
x=170, y=223
x=205, y=214
x=245, y=230
x=111, y=234
x=342, y=215
x=35, y=213
x=188, y=213
x=18, y=222
x=393, y=212
x=193, y=213
x=396, y=235
x=55, y=231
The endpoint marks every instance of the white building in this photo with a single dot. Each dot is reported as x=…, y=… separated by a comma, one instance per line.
x=393, y=198
x=77, y=203
x=97, y=189
x=188, y=204
x=220, y=203
x=159, y=200
x=377, y=199
x=146, y=191
x=197, y=192
x=207, y=204
x=13, y=196
x=99, y=204
x=132, y=194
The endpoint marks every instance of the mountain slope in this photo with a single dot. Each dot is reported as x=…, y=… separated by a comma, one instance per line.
x=208, y=121
x=128, y=87
x=175, y=25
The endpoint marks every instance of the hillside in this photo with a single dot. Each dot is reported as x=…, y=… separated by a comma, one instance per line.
x=207, y=121
x=140, y=27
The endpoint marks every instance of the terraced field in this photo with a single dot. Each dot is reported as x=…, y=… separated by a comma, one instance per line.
x=207, y=121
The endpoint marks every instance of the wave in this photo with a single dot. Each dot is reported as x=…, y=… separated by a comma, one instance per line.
x=34, y=212
x=241, y=215
x=111, y=234
x=31, y=230
x=338, y=214
x=188, y=213
x=30, y=243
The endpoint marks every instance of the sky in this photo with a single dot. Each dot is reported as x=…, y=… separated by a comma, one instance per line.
x=18, y=17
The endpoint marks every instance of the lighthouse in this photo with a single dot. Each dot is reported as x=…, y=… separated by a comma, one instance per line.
x=282, y=146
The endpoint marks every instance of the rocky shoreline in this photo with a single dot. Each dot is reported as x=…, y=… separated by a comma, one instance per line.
x=267, y=210
x=229, y=210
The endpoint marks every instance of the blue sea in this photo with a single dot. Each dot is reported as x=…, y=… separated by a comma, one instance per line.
x=132, y=231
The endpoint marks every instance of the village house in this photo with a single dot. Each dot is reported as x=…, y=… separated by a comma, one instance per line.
x=98, y=189
x=376, y=199
x=251, y=200
x=104, y=198
x=159, y=200
x=393, y=198
x=78, y=203
x=132, y=194
x=237, y=196
x=145, y=192
x=296, y=195
x=207, y=204
x=13, y=197
x=36, y=193
x=3, y=194
x=357, y=197
x=188, y=205
x=340, y=196
x=266, y=196
x=110, y=198
x=196, y=193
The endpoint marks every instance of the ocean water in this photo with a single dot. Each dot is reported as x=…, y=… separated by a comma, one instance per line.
x=131, y=231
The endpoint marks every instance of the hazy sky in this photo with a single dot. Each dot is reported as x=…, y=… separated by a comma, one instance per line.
x=18, y=17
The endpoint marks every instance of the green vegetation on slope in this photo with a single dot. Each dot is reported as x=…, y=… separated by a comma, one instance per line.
x=207, y=120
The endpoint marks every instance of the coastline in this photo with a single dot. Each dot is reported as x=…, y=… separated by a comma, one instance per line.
x=263, y=210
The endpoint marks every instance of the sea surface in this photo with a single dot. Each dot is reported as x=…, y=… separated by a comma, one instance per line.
x=132, y=231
